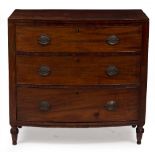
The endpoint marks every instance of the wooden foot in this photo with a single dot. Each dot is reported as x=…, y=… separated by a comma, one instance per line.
x=19, y=126
x=14, y=132
x=133, y=126
x=139, y=131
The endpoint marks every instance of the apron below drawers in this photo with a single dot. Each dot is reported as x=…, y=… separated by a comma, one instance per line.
x=77, y=104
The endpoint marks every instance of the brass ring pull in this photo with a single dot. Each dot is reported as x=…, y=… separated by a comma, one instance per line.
x=111, y=105
x=112, y=70
x=44, y=40
x=112, y=40
x=44, y=71
x=44, y=106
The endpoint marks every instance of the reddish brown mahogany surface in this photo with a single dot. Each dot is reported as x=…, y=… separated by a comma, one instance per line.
x=78, y=68
x=76, y=105
x=77, y=38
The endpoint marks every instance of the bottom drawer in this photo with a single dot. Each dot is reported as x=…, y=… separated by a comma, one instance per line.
x=76, y=104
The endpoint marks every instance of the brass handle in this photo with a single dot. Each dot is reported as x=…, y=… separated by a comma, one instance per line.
x=44, y=40
x=44, y=71
x=44, y=106
x=112, y=70
x=111, y=105
x=112, y=40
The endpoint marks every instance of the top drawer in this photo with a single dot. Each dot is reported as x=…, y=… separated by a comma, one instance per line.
x=78, y=38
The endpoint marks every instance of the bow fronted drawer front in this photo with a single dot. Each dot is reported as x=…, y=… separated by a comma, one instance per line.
x=78, y=70
x=77, y=105
x=78, y=38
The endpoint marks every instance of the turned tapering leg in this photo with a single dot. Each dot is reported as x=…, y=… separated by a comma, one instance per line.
x=14, y=132
x=139, y=131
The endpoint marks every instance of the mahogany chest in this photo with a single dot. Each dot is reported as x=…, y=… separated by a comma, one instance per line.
x=78, y=68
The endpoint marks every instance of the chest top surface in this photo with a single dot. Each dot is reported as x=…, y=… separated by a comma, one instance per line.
x=79, y=15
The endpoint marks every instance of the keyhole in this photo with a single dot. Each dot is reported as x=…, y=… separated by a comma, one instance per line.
x=77, y=93
x=77, y=60
x=78, y=30
x=96, y=114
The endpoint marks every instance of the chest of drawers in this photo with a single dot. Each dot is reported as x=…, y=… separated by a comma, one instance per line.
x=78, y=68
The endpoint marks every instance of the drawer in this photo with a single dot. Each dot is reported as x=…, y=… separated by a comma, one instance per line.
x=78, y=38
x=77, y=70
x=76, y=104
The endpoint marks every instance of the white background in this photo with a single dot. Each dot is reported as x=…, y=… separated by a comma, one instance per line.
x=76, y=141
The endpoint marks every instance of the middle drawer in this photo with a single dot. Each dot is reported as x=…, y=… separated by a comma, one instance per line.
x=77, y=70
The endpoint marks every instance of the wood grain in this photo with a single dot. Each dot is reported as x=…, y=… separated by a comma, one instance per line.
x=77, y=88
x=75, y=15
x=78, y=38
x=12, y=73
x=76, y=105
x=78, y=70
